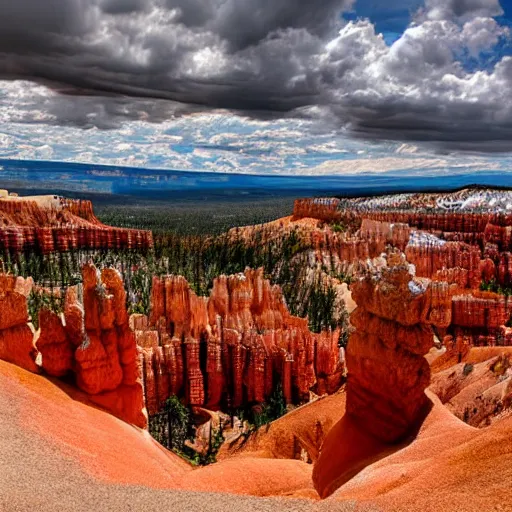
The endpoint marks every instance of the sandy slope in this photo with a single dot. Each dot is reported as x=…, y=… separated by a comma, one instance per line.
x=303, y=428
x=57, y=453
x=450, y=466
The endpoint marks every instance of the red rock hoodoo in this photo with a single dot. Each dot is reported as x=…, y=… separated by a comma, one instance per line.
x=387, y=371
x=16, y=334
x=98, y=347
x=106, y=363
x=233, y=347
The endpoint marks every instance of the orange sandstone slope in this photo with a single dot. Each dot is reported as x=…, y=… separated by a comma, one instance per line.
x=449, y=467
x=104, y=446
x=114, y=452
x=297, y=435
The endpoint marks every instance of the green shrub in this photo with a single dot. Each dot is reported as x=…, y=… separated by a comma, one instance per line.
x=339, y=228
x=468, y=368
x=39, y=299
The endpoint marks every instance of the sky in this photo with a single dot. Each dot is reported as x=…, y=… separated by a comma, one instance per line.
x=332, y=87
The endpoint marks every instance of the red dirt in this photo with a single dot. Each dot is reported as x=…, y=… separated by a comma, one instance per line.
x=115, y=452
x=303, y=428
x=63, y=415
x=254, y=477
x=449, y=467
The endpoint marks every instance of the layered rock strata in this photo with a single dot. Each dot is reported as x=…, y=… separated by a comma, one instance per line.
x=394, y=234
x=463, y=249
x=429, y=259
x=29, y=226
x=317, y=208
x=443, y=222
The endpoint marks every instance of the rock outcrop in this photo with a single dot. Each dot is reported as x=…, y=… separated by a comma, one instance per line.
x=387, y=371
x=477, y=393
x=233, y=347
x=93, y=342
x=466, y=222
x=394, y=234
x=430, y=259
x=317, y=208
x=57, y=348
x=63, y=226
x=16, y=334
x=106, y=362
x=481, y=310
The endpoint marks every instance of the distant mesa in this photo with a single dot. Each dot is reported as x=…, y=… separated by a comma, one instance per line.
x=52, y=223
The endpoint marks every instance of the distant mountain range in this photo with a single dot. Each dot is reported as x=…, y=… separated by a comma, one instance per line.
x=74, y=179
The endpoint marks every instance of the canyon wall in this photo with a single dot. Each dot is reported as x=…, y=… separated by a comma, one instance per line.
x=466, y=233
x=439, y=221
x=481, y=310
x=27, y=226
x=461, y=249
x=325, y=209
x=232, y=347
x=394, y=234
x=430, y=259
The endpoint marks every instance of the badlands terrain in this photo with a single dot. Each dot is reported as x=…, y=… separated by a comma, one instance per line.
x=356, y=355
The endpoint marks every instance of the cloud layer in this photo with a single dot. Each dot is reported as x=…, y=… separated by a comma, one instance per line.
x=218, y=141
x=264, y=58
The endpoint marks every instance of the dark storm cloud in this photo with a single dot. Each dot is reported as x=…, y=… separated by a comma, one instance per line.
x=235, y=54
x=286, y=57
x=246, y=22
x=460, y=128
x=122, y=6
x=28, y=26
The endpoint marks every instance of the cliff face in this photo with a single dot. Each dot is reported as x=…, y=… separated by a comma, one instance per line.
x=431, y=259
x=443, y=222
x=233, y=347
x=481, y=311
x=317, y=208
x=16, y=334
x=25, y=225
x=395, y=234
